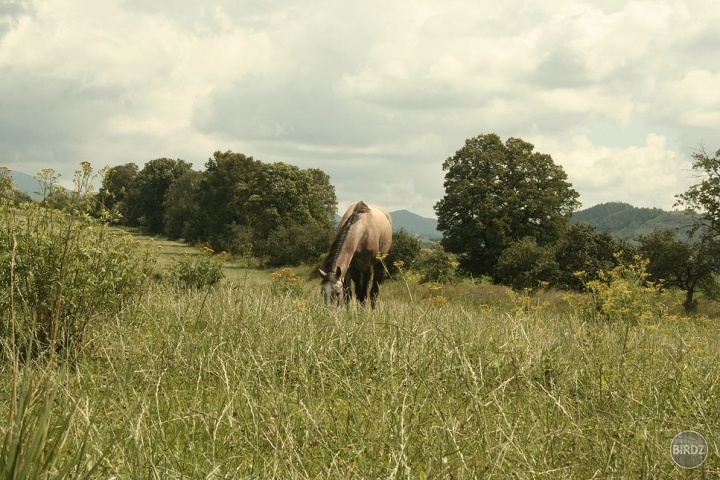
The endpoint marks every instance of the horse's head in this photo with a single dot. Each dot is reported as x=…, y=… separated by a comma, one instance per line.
x=332, y=286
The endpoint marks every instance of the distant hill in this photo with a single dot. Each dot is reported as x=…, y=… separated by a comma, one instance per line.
x=414, y=223
x=26, y=183
x=624, y=221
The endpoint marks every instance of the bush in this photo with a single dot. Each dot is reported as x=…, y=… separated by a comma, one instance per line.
x=294, y=244
x=622, y=294
x=197, y=271
x=286, y=282
x=526, y=265
x=62, y=270
x=405, y=249
x=436, y=265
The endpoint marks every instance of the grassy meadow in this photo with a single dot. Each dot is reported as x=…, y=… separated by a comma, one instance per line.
x=255, y=378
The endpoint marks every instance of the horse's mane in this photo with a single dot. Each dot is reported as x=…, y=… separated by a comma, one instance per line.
x=341, y=235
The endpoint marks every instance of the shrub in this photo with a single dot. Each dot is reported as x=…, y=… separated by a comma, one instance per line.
x=436, y=265
x=62, y=270
x=405, y=249
x=622, y=294
x=526, y=265
x=286, y=282
x=197, y=271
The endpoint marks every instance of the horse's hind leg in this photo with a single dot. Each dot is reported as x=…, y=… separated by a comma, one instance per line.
x=378, y=276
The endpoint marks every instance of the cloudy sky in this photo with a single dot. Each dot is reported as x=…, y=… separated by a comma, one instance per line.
x=376, y=93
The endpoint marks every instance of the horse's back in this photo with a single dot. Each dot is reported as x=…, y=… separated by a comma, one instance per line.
x=376, y=225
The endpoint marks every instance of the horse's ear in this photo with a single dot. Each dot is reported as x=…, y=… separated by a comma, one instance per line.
x=322, y=274
x=338, y=272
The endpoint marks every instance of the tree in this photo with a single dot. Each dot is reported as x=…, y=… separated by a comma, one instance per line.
x=704, y=196
x=583, y=249
x=146, y=196
x=115, y=186
x=525, y=264
x=226, y=174
x=683, y=264
x=180, y=205
x=279, y=196
x=405, y=249
x=496, y=194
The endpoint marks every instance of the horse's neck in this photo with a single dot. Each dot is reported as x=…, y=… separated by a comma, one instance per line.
x=347, y=251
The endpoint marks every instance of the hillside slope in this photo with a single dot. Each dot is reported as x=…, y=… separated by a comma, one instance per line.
x=27, y=183
x=624, y=221
x=414, y=223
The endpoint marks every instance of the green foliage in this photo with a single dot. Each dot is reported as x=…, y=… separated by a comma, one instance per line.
x=63, y=270
x=435, y=265
x=197, y=271
x=624, y=294
x=286, y=282
x=277, y=212
x=704, y=197
x=116, y=183
x=146, y=197
x=498, y=193
x=296, y=243
x=527, y=265
x=684, y=264
x=283, y=203
x=405, y=249
x=582, y=248
x=181, y=208
x=225, y=176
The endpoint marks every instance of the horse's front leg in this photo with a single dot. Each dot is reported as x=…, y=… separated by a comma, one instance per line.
x=361, y=285
x=347, y=292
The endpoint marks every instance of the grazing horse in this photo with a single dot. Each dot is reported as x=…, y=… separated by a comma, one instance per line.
x=365, y=232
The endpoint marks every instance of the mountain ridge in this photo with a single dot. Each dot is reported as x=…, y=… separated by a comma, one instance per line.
x=625, y=221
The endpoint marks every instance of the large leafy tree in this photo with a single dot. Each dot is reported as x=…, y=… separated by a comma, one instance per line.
x=278, y=200
x=220, y=212
x=146, y=196
x=115, y=186
x=497, y=193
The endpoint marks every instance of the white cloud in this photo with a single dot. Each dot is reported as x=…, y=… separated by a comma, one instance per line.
x=648, y=175
x=377, y=94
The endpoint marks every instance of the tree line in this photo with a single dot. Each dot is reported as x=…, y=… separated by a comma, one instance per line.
x=277, y=212
x=505, y=216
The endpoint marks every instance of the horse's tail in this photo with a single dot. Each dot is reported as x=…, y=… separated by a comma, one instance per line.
x=361, y=207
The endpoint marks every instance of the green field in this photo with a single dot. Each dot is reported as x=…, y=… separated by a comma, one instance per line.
x=255, y=378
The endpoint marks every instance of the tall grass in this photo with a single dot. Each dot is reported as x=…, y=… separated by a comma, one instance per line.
x=255, y=378
x=239, y=382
